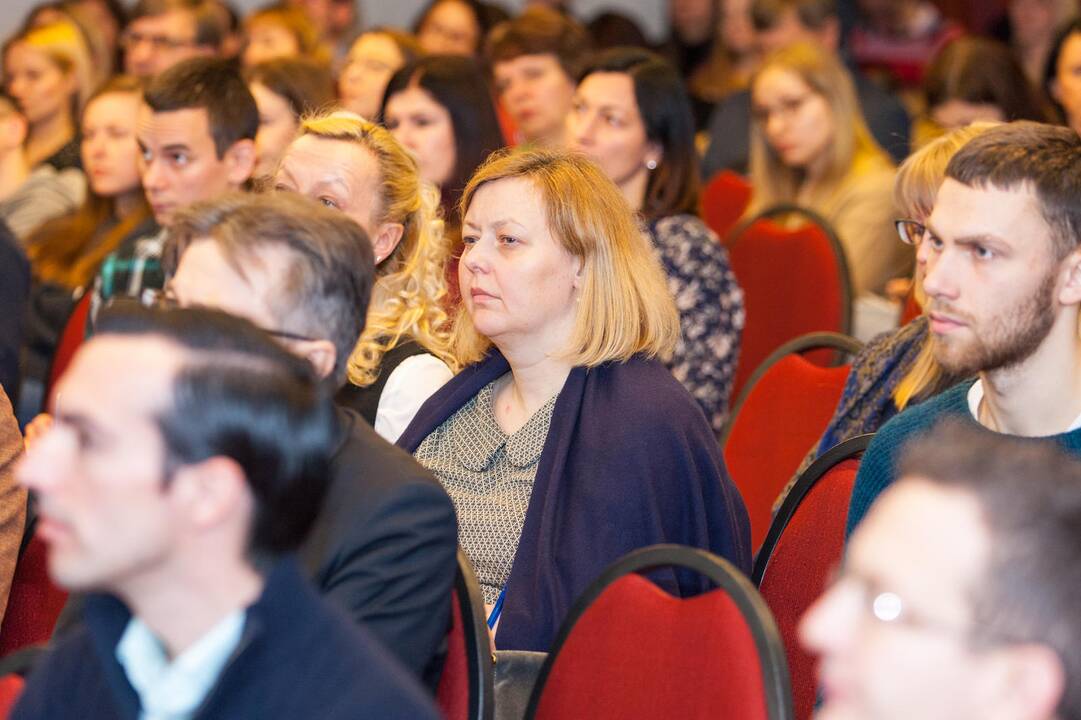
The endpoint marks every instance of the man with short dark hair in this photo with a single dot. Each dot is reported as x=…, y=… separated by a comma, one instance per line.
x=957, y=599
x=196, y=131
x=779, y=24
x=383, y=547
x=187, y=458
x=1001, y=268
x=161, y=33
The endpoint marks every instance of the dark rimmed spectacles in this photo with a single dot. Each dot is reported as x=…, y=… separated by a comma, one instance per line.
x=165, y=299
x=911, y=232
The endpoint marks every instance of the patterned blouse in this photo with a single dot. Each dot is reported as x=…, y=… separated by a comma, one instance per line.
x=489, y=477
x=710, y=306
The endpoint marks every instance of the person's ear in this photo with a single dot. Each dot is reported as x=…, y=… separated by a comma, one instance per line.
x=830, y=34
x=240, y=162
x=1070, y=293
x=1035, y=679
x=210, y=492
x=654, y=154
x=320, y=353
x=386, y=239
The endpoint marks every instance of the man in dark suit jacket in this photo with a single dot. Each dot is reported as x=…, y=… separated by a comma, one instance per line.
x=780, y=23
x=383, y=547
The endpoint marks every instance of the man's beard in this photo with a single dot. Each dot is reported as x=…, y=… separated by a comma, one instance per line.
x=1009, y=341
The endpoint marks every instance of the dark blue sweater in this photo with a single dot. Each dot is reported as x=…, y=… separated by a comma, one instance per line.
x=298, y=657
x=879, y=465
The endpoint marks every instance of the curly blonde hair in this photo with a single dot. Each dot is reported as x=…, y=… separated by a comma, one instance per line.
x=407, y=302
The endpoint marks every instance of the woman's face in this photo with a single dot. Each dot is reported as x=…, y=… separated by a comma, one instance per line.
x=518, y=284
x=37, y=83
x=269, y=40
x=450, y=29
x=277, y=126
x=109, y=150
x=604, y=123
x=797, y=122
x=954, y=114
x=425, y=128
x=373, y=58
x=1066, y=87
x=537, y=94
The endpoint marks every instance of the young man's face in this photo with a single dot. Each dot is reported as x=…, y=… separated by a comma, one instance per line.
x=179, y=164
x=894, y=632
x=991, y=277
x=106, y=510
x=154, y=44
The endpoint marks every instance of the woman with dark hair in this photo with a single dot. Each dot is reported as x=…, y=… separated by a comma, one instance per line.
x=285, y=90
x=631, y=114
x=975, y=79
x=1062, y=77
x=451, y=27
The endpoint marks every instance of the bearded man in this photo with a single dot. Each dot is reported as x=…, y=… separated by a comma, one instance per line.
x=1001, y=257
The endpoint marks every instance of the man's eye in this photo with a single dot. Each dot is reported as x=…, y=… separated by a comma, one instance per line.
x=329, y=202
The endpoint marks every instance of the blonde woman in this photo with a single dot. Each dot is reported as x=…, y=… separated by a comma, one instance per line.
x=47, y=72
x=404, y=355
x=566, y=443
x=810, y=146
x=897, y=369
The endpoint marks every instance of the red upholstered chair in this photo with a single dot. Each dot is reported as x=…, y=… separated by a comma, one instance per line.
x=11, y=686
x=724, y=199
x=804, y=544
x=783, y=410
x=466, y=689
x=34, y=603
x=629, y=650
x=795, y=281
x=910, y=310
x=70, y=339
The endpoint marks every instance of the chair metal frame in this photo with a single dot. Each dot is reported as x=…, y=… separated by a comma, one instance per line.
x=767, y=638
x=815, y=471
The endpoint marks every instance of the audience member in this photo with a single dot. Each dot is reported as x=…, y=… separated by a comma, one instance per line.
x=692, y=34
x=810, y=146
x=47, y=72
x=187, y=459
x=101, y=55
x=336, y=21
x=1030, y=27
x=14, y=295
x=957, y=597
x=372, y=59
x=543, y=434
x=894, y=40
x=12, y=497
x=451, y=27
x=196, y=130
x=161, y=33
x=383, y=546
x=535, y=58
x=1002, y=273
x=631, y=114
x=779, y=24
x=285, y=90
x=281, y=31
x=31, y=195
x=404, y=355
x=1062, y=78
x=730, y=63
x=976, y=79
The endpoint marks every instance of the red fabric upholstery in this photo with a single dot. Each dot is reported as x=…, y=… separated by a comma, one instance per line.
x=782, y=417
x=34, y=603
x=452, y=695
x=70, y=339
x=11, y=686
x=808, y=550
x=638, y=652
x=791, y=286
x=910, y=310
x=724, y=199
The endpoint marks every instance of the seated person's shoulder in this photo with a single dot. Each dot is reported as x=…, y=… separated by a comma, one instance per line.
x=641, y=398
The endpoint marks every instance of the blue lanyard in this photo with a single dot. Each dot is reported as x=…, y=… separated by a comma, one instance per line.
x=497, y=610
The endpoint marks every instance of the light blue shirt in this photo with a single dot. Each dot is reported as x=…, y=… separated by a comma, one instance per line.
x=175, y=690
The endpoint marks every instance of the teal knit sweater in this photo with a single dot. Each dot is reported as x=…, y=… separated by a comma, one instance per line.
x=879, y=465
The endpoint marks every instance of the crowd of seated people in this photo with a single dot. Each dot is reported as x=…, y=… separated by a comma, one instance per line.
x=297, y=310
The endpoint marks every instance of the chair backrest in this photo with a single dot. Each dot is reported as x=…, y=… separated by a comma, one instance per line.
x=629, y=650
x=11, y=687
x=804, y=544
x=910, y=310
x=34, y=603
x=795, y=281
x=70, y=339
x=724, y=199
x=466, y=687
x=783, y=410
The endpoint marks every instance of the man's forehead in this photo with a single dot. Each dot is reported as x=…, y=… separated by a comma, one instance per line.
x=120, y=371
x=176, y=21
x=187, y=126
x=961, y=210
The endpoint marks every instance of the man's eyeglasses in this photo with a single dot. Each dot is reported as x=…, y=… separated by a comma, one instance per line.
x=911, y=232
x=164, y=299
x=129, y=39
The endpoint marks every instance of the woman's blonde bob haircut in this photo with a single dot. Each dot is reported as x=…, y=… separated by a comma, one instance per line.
x=774, y=182
x=407, y=302
x=624, y=307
